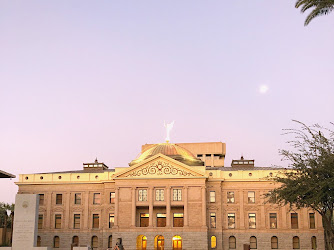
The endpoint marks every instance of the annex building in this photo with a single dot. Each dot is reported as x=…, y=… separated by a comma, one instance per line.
x=173, y=196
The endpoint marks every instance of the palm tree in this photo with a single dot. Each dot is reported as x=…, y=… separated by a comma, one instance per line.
x=322, y=7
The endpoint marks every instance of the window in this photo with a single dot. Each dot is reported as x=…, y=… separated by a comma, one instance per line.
x=231, y=221
x=274, y=242
x=232, y=242
x=39, y=241
x=97, y=198
x=252, y=220
x=96, y=220
x=41, y=199
x=110, y=241
x=273, y=220
x=159, y=195
x=111, y=220
x=251, y=197
x=230, y=197
x=177, y=242
x=77, y=199
x=295, y=242
x=59, y=199
x=56, y=242
x=75, y=241
x=213, y=242
x=58, y=221
x=212, y=196
x=312, y=221
x=314, y=242
x=161, y=220
x=178, y=220
x=294, y=220
x=95, y=242
x=142, y=195
x=144, y=220
x=253, y=242
x=76, y=224
x=213, y=220
x=112, y=197
x=40, y=221
x=177, y=195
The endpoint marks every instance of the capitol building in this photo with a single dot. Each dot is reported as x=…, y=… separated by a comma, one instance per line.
x=172, y=196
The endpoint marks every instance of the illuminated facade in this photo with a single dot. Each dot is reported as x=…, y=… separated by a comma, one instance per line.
x=173, y=196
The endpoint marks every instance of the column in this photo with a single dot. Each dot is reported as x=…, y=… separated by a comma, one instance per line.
x=284, y=216
x=204, y=207
x=242, y=211
x=48, y=198
x=150, y=208
x=133, y=209
x=86, y=211
x=67, y=210
x=168, y=219
x=185, y=206
x=262, y=215
x=212, y=160
x=116, y=206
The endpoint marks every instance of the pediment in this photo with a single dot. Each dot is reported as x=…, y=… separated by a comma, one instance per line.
x=160, y=166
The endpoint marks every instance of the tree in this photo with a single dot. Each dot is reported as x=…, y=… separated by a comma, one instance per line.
x=322, y=7
x=309, y=180
x=5, y=220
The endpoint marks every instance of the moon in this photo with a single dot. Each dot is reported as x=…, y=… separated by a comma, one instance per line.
x=263, y=89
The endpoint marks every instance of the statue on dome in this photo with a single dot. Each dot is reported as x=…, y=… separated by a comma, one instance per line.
x=168, y=127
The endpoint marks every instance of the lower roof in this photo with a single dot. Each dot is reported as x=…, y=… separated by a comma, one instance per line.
x=4, y=174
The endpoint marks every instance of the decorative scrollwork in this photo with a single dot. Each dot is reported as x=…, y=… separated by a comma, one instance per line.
x=160, y=168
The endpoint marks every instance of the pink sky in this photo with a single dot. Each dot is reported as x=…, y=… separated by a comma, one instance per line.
x=85, y=79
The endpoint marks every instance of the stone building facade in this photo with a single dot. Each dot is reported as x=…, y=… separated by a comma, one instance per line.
x=173, y=196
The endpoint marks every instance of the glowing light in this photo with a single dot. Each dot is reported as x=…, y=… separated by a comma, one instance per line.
x=263, y=89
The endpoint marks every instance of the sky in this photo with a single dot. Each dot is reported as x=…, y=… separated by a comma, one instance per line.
x=86, y=79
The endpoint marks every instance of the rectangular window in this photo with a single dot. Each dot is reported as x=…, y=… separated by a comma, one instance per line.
x=159, y=195
x=59, y=199
x=142, y=195
x=111, y=220
x=112, y=197
x=252, y=220
x=97, y=198
x=161, y=220
x=76, y=224
x=77, y=199
x=144, y=220
x=177, y=194
x=231, y=220
x=251, y=197
x=213, y=220
x=40, y=221
x=230, y=197
x=96, y=220
x=212, y=196
x=178, y=220
x=312, y=221
x=273, y=220
x=294, y=221
x=41, y=199
x=58, y=221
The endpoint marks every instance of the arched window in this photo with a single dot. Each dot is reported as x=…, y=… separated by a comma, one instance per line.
x=75, y=241
x=110, y=241
x=253, y=242
x=56, y=242
x=177, y=242
x=213, y=242
x=314, y=242
x=95, y=242
x=295, y=242
x=39, y=241
x=141, y=242
x=232, y=242
x=159, y=242
x=274, y=242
